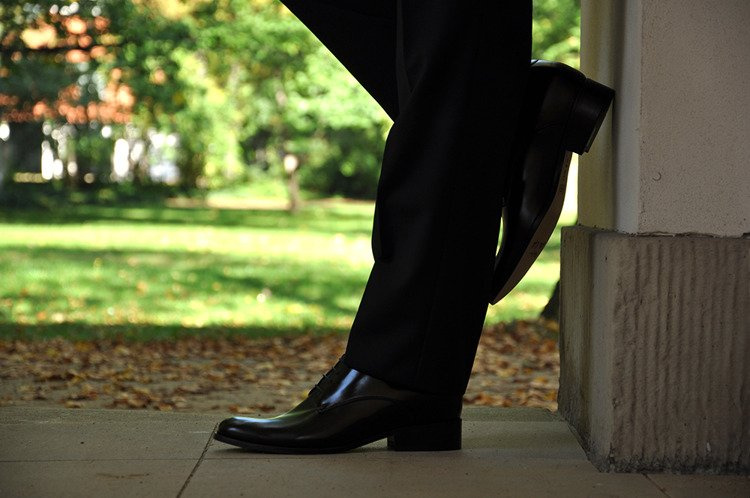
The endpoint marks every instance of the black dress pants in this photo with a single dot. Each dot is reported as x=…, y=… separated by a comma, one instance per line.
x=451, y=74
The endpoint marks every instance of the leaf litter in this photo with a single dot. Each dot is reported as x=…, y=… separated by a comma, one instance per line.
x=517, y=364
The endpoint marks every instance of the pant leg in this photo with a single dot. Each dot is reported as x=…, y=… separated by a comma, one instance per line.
x=460, y=69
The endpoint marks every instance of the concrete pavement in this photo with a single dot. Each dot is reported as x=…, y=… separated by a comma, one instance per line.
x=507, y=452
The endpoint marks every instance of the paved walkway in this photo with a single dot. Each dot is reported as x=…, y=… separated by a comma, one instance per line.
x=110, y=453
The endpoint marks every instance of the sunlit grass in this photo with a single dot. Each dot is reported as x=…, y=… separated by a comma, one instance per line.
x=143, y=272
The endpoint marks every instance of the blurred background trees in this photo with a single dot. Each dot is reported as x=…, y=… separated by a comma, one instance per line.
x=199, y=94
x=556, y=30
x=131, y=131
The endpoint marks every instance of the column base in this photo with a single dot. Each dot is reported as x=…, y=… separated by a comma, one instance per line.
x=655, y=350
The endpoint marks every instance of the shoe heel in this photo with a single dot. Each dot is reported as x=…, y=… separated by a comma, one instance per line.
x=440, y=436
x=590, y=108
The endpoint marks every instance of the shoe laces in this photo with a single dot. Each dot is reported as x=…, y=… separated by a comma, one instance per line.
x=323, y=379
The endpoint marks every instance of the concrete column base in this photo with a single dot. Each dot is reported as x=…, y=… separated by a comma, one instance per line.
x=655, y=350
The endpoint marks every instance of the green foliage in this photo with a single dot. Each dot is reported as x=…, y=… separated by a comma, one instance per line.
x=93, y=152
x=242, y=82
x=348, y=166
x=30, y=79
x=292, y=96
x=556, y=30
x=137, y=39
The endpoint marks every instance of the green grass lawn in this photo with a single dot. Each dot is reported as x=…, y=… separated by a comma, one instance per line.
x=150, y=272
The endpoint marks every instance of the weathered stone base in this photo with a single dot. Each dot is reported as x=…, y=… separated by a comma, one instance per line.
x=655, y=350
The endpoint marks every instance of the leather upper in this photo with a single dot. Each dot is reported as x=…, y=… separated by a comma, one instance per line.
x=346, y=408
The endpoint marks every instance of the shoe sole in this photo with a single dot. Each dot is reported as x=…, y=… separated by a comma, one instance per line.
x=263, y=448
x=541, y=235
x=438, y=436
x=586, y=117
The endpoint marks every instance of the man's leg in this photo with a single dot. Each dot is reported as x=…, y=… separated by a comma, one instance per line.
x=459, y=69
x=436, y=222
x=461, y=73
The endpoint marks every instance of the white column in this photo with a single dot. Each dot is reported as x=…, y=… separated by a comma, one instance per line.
x=655, y=332
x=677, y=158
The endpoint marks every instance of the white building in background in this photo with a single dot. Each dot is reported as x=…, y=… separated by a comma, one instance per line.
x=120, y=160
x=161, y=148
x=48, y=162
x=162, y=166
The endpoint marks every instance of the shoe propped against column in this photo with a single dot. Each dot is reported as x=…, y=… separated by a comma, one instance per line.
x=563, y=111
x=348, y=409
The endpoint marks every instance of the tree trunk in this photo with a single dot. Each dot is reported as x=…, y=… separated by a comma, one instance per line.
x=293, y=187
x=291, y=167
x=552, y=310
x=4, y=164
x=70, y=170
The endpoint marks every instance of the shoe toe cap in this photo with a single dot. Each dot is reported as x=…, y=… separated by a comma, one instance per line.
x=237, y=426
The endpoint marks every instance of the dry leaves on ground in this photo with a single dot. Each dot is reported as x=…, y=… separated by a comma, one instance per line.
x=516, y=365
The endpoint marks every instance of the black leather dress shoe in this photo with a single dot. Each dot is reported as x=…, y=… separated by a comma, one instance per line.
x=562, y=113
x=348, y=409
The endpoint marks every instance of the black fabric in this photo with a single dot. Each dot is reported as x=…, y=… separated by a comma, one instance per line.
x=452, y=75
